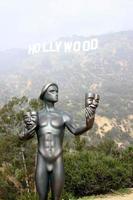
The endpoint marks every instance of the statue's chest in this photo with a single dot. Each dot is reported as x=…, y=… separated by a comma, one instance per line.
x=50, y=120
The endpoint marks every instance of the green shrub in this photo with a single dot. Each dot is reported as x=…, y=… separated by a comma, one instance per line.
x=95, y=173
x=109, y=147
x=7, y=189
x=28, y=196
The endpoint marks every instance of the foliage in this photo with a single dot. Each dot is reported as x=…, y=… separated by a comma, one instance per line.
x=28, y=196
x=95, y=173
x=88, y=170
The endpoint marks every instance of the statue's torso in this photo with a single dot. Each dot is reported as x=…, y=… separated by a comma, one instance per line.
x=50, y=133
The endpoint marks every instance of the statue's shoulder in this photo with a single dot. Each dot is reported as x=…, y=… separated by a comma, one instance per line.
x=66, y=116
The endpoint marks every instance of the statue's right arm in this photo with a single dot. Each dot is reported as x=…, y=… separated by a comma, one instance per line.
x=29, y=127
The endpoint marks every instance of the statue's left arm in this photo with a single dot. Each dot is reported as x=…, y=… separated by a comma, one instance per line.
x=91, y=103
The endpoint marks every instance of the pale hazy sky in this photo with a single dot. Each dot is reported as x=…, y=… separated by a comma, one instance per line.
x=29, y=21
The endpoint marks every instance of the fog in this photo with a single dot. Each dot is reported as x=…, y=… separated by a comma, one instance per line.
x=30, y=21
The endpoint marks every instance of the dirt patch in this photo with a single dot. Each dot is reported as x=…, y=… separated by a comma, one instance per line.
x=124, y=196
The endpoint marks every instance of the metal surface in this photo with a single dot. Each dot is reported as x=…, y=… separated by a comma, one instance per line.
x=49, y=124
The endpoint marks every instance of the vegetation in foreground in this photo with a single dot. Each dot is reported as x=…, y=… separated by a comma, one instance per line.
x=88, y=170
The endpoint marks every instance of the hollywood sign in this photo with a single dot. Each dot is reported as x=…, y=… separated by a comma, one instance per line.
x=63, y=46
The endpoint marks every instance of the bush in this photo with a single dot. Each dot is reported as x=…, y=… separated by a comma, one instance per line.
x=28, y=196
x=7, y=189
x=95, y=173
x=109, y=147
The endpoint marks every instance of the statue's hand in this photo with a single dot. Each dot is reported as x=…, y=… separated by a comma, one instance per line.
x=21, y=135
x=91, y=103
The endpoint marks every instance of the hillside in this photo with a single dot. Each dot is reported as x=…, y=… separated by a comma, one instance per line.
x=107, y=71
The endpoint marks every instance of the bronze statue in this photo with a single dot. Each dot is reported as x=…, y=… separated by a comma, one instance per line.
x=49, y=125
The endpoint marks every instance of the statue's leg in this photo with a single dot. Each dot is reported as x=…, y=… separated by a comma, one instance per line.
x=57, y=179
x=42, y=178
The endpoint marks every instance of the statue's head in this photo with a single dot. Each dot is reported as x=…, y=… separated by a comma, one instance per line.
x=49, y=93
